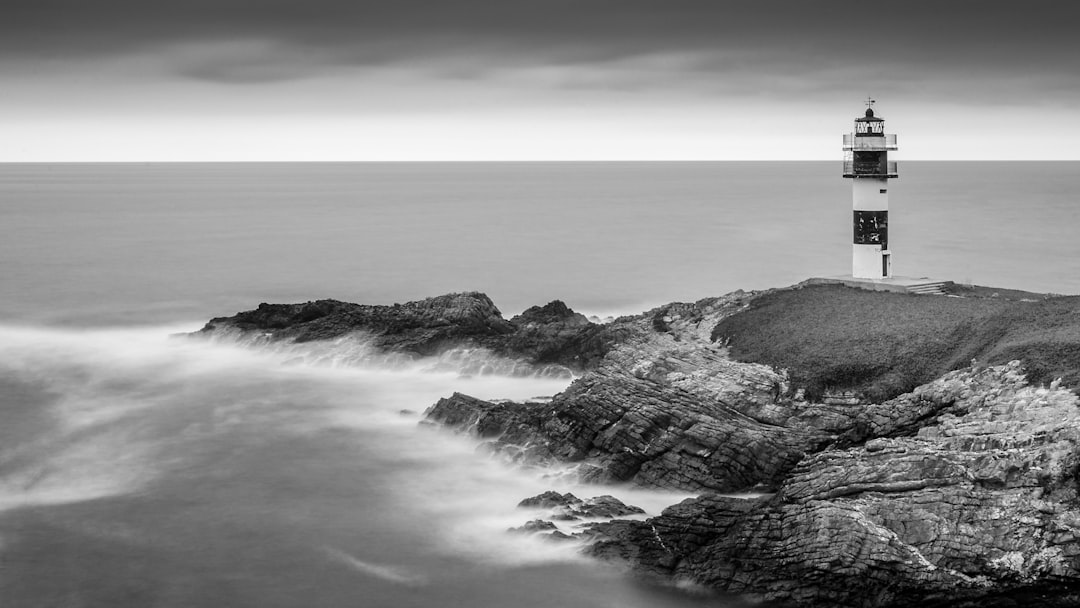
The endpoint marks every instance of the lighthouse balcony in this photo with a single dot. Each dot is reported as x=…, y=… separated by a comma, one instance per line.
x=886, y=141
x=870, y=169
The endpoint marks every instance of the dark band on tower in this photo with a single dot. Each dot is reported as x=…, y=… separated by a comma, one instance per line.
x=866, y=162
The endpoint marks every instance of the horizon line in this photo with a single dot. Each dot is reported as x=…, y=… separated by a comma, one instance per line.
x=507, y=161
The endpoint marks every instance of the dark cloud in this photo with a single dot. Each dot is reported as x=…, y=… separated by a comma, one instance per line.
x=967, y=38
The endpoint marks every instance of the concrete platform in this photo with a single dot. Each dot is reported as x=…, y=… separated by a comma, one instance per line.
x=918, y=285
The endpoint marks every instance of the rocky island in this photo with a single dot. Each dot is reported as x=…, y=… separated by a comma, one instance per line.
x=894, y=449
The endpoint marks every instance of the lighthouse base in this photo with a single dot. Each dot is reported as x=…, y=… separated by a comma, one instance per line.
x=917, y=285
x=871, y=262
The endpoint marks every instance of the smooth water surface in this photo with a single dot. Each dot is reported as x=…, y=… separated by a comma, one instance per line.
x=131, y=243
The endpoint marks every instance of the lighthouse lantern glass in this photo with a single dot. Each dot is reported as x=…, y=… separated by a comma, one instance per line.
x=871, y=128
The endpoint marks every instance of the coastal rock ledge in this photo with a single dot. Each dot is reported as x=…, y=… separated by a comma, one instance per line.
x=892, y=450
x=959, y=492
x=977, y=509
x=542, y=340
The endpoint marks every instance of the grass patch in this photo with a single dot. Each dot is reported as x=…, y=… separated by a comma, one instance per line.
x=881, y=344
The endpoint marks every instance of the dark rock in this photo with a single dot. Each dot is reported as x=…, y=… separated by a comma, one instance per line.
x=534, y=526
x=511, y=423
x=980, y=505
x=607, y=507
x=555, y=334
x=552, y=334
x=681, y=414
x=553, y=312
x=665, y=410
x=544, y=529
x=422, y=327
x=548, y=500
x=567, y=507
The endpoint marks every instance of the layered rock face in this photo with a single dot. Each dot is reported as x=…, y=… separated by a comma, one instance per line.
x=979, y=505
x=962, y=492
x=668, y=408
x=665, y=408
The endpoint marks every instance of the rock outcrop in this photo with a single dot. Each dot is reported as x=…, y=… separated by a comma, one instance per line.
x=961, y=492
x=567, y=508
x=665, y=408
x=668, y=408
x=978, y=506
x=551, y=335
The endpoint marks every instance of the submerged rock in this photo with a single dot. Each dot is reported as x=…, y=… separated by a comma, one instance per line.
x=548, y=500
x=569, y=507
x=535, y=526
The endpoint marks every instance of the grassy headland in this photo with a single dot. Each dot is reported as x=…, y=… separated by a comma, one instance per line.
x=881, y=344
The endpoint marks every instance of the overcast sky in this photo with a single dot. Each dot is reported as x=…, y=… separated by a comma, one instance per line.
x=544, y=79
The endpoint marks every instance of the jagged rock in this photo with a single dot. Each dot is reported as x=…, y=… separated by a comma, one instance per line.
x=606, y=506
x=534, y=526
x=570, y=508
x=982, y=504
x=555, y=334
x=669, y=409
x=508, y=426
x=560, y=536
x=552, y=312
x=663, y=408
x=552, y=334
x=567, y=507
x=420, y=325
x=545, y=529
x=548, y=500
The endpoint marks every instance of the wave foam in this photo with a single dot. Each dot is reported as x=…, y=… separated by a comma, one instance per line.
x=356, y=350
x=393, y=574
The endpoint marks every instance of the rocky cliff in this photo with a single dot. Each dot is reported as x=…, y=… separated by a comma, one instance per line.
x=960, y=492
x=881, y=478
x=977, y=507
x=664, y=408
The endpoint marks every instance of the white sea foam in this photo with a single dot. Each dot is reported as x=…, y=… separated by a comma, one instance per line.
x=126, y=411
x=355, y=350
x=393, y=574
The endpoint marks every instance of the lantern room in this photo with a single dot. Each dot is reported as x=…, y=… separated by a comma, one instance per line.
x=867, y=149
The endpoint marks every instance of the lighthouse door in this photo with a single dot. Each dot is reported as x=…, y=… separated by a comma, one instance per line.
x=885, y=266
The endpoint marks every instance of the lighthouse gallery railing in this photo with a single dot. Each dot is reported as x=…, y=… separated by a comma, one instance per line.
x=869, y=169
x=885, y=142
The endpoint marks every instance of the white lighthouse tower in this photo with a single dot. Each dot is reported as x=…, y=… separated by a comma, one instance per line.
x=866, y=162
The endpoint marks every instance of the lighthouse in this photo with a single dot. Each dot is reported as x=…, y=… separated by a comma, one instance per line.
x=866, y=162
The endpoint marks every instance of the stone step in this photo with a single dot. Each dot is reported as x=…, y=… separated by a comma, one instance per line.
x=928, y=288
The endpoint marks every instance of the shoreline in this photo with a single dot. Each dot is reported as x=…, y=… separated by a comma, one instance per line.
x=954, y=481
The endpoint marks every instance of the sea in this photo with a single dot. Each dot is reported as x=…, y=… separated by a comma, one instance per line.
x=142, y=469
